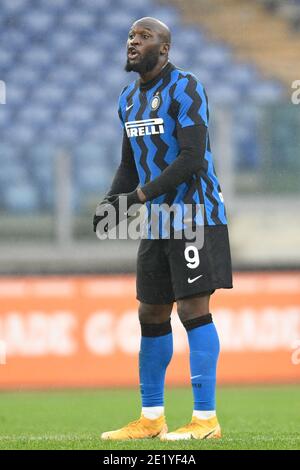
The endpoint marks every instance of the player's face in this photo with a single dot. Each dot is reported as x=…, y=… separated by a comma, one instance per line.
x=143, y=49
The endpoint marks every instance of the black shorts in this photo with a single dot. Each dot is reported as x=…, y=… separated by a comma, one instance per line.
x=168, y=271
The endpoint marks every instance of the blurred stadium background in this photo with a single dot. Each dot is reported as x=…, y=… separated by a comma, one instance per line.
x=62, y=62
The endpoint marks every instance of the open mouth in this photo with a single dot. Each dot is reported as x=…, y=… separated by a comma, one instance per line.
x=132, y=53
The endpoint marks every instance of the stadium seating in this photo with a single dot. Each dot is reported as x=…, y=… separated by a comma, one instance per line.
x=63, y=63
x=290, y=10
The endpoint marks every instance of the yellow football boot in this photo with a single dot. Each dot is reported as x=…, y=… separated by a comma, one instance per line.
x=142, y=428
x=196, y=429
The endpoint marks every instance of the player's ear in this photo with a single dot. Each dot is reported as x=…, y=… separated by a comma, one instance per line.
x=164, y=48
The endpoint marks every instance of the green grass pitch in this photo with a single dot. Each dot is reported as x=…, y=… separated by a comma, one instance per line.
x=251, y=418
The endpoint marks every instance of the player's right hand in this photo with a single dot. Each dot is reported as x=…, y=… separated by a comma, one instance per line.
x=119, y=213
x=100, y=212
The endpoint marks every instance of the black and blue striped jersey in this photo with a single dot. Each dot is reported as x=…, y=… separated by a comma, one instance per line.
x=152, y=115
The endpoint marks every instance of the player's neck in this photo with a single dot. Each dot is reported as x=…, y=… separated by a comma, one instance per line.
x=148, y=76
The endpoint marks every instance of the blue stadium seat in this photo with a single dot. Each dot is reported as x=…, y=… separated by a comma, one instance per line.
x=24, y=75
x=5, y=120
x=204, y=75
x=224, y=93
x=92, y=178
x=241, y=74
x=65, y=75
x=77, y=114
x=62, y=134
x=78, y=20
x=6, y=59
x=22, y=134
x=190, y=39
x=42, y=163
x=88, y=58
x=43, y=153
x=21, y=198
x=177, y=56
x=167, y=14
x=37, y=57
x=268, y=91
x=135, y=4
x=102, y=155
x=96, y=6
x=43, y=176
x=8, y=153
x=11, y=7
x=91, y=94
x=35, y=116
x=50, y=94
x=37, y=22
x=88, y=152
x=64, y=41
x=55, y=6
x=15, y=39
x=12, y=172
x=123, y=21
x=214, y=56
x=16, y=95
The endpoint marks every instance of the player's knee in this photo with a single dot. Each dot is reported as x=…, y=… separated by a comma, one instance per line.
x=193, y=307
x=155, y=319
x=154, y=313
x=184, y=312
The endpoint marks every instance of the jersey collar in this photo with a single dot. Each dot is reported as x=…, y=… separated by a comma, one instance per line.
x=164, y=71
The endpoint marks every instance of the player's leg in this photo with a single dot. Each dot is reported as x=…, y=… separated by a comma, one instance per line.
x=154, y=290
x=155, y=355
x=196, y=273
x=156, y=296
x=204, y=351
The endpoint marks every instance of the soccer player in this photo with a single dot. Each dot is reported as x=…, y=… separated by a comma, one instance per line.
x=166, y=158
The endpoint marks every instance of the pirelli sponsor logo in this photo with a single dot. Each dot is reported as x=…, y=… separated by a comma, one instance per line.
x=145, y=127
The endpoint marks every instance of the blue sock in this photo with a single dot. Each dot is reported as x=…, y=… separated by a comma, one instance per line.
x=204, y=351
x=155, y=355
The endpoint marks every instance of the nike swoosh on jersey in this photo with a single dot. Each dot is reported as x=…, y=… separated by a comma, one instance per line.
x=128, y=107
x=195, y=279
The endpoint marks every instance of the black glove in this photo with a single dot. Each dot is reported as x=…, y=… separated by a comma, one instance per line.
x=98, y=218
x=120, y=209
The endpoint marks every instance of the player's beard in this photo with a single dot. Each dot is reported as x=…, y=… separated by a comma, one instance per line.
x=146, y=64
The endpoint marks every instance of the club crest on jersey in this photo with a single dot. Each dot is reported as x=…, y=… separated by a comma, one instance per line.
x=155, y=102
x=145, y=127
